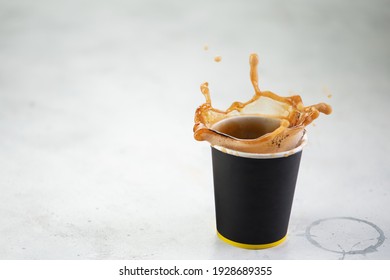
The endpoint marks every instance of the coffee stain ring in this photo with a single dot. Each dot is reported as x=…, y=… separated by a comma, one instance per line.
x=370, y=249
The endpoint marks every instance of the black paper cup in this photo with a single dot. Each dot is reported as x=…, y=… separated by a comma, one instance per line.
x=254, y=195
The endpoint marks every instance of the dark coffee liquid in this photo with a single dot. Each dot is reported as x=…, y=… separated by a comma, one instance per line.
x=284, y=130
x=246, y=127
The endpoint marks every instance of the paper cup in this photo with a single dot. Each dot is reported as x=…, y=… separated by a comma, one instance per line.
x=254, y=195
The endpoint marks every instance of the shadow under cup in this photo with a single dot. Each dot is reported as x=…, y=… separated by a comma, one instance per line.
x=254, y=195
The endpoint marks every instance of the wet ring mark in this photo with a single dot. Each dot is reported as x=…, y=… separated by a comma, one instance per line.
x=316, y=241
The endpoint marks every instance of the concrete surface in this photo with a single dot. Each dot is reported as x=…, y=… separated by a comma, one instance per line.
x=97, y=158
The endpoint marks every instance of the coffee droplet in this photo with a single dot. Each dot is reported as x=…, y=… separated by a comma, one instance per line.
x=218, y=58
x=267, y=123
x=206, y=47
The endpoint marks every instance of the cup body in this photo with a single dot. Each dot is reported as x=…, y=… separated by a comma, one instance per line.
x=254, y=196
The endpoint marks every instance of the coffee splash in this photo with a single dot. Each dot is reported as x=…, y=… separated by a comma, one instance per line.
x=267, y=123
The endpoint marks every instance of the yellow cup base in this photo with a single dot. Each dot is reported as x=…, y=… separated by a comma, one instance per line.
x=251, y=246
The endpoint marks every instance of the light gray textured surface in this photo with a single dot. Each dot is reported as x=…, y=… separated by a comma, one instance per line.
x=97, y=159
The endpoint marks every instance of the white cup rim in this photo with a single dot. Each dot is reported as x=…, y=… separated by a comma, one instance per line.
x=288, y=153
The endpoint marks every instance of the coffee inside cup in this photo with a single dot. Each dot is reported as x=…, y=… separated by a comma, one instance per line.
x=246, y=127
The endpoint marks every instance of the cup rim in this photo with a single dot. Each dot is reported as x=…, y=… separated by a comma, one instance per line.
x=283, y=154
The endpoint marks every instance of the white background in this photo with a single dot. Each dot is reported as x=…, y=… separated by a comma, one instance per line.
x=97, y=98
